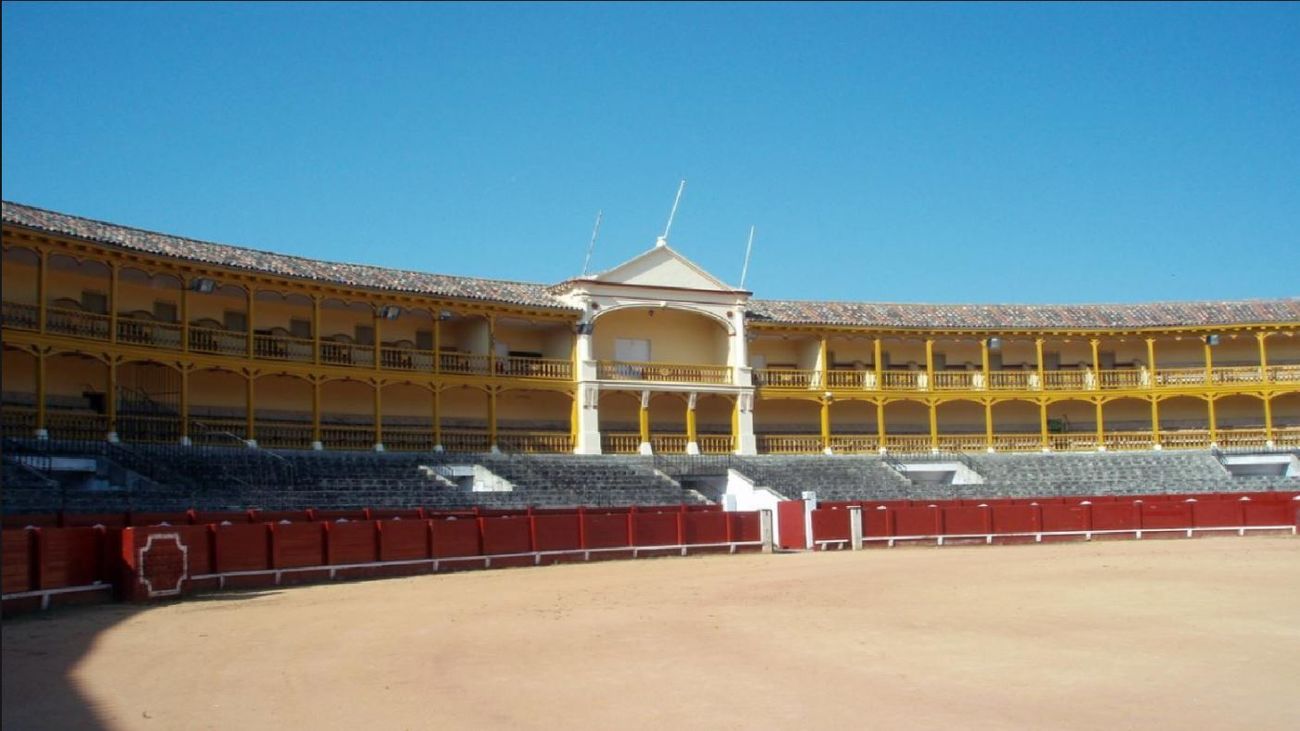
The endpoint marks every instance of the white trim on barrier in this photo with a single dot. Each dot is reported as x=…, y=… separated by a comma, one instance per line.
x=1038, y=535
x=485, y=558
x=45, y=594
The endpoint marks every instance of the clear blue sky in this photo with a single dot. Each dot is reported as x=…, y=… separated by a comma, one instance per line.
x=942, y=153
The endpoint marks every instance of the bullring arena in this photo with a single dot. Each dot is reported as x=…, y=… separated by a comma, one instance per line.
x=299, y=493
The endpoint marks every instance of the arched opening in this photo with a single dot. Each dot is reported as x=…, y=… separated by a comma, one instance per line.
x=78, y=297
x=21, y=307
x=283, y=411
x=218, y=401
x=961, y=426
x=1286, y=419
x=347, y=333
x=282, y=326
x=668, y=423
x=1017, y=426
x=619, y=419
x=76, y=396
x=534, y=421
x=148, y=402
x=407, y=422
x=1184, y=423
x=18, y=386
x=463, y=412
x=465, y=340
x=1239, y=421
x=347, y=415
x=1127, y=422
x=406, y=338
x=713, y=417
x=853, y=427
x=907, y=426
x=218, y=319
x=527, y=348
x=1072, y=425
x=661, y=344
x=787, y=426
x=148, y=309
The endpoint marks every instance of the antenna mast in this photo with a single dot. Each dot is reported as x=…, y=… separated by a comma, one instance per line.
x=592, y=246
x=748, y=248
x=663, y=240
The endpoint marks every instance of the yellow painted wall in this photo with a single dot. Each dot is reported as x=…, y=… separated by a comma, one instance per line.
x=1239, y=411
x=18, y=376
x=853, y=417
x=907, y=417
x=1127, y=415
x=774, y=416
x=19, y=276
x=675, y=336
x=618, y=412
x=961, y=417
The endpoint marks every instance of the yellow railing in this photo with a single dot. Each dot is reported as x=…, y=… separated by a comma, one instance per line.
x=908, y=443
x=855, y=443
x=962, y=443
x=620, y=443
x=468, y=364
x=551, y=369
x=1241, y=438
x=347, y=354
x=1238, y=374
x=1129, y=440
x=1070, y=380
x=1175, y=377
x=283, y=347
x=1073, y=442
x=904, y=380
x=958, y=380
x=789, y=443
x=18, y=421
x=464, y=440
x=149, y=429
x=864, y=380
x=1125, y=378
x=22, y=316
x=1185, y=439
x=279, y=434
x=1022, y=442
x=662, y=372
x=336, y=436
x=535, y=442
x=76, y=323
x=1287, y=436
x=1014, y=381
x=786, y=378
x=1289, y=373
x=715, y=443
x=218, y=430
x=146, y=332
x=406, y=359
x=408, y=438
x=221, y=342
x=668, y=443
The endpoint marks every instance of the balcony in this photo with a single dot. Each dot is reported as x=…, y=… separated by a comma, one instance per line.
x=617, y=370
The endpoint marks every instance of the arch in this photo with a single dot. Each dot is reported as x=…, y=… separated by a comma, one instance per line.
x=149, y=396
x=619, y=412
x=76, y=396
x=787, y=416
x=961, y=416
x=347, y=414
x=534, y=420
x=1286, y=413
x=218, y=405
x=1127, y=414
x=463, y=413
x=1239, y=411
x=721, y=320
x=903, y=416
x=854, y=428
x=1183, y=412
x=18, y=391
x=671, y=334
x=19, y=275
x=407, y=422
x=78, y=284
x=1016, y=416
x=1072, y=416
x=283, y=411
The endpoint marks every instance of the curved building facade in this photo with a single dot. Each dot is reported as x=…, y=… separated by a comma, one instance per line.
x=116, y=333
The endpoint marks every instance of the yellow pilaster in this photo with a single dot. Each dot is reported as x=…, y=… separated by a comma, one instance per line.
x=1101, y=428
x=988, y=414
x=250, y=410
x=315, y=412
x=823, y=366
x=826, y=424
x=379, y=348
x=185, y=318
x=113, y=270
x=437, y=418
x=42, y=288
x=185, y=404
x=40, y=392
x=880, y=419
x=492, y=345
x=1042, y=384
x=252, y=297
x=437, y=344
x=1151, y=360
x=492, y=419
x=1096, y=366
x=984, y=367
x=877, y=357
x=934, y=420
x=692, y=433
x=1209, y=364
x=573, y=422
x=929, y=370
x=379, y=412
x=643, y=421
x=1042, y=418
x=1155, y=421
x=1263, y=360
x=315, y=332
x=110, y=398
x=1268, y=419
x=1214, y=432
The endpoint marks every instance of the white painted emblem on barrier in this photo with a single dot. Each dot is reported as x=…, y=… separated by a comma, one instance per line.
x=185, y=564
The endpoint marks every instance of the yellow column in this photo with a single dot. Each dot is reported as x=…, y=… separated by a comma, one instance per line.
x=379, y=348
x=110, y=401
x=1042, y=420
x=250, y=411
x=929, y=366
x=1155, y=422
x=42, y=273
x=1268, y=419
x=1101, y=429
x=112, y=302
x=1263, y=358
x=315, y=330
x=185, y=316
x=1151, y=360
x=988, y=414
x=379, y=415
x=692, y=434
x=40, y=394
x=492, y=419
x=316, y=441
x=644, y=420
x=437, y=419
x=573, y=422
x=437, y=343
x=984, y=367
x=823, y=367
x=1214, y=431
x=252, y=297
x=185, y=405
x=934, y=422
x=1038, y=348
x=1209, y=364
x=1096, y=363
x=877, y=354
x=880, y=423
x=826, y=425
x=492, y=345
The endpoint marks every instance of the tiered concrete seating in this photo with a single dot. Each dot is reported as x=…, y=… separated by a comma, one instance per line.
x=847, y=477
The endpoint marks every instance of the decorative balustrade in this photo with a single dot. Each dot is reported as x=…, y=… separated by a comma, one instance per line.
x=620, y=443
x=21, y=316
x=789, y=378
x=77, y=323
x=551, y=369
x=904, y=380
x=789, y=443
x=408, y=438
x=864, y=380
x=335, y=436
x=1287, y=436
x=153, y=429
x=908, y=443
x=466, y=440
x=1128, y=378
x=465, y=364
x=617, y=370
x=1014, y=381
x=1017, y=442
x=855, y=443
x=77, y=425
x=218, y=430
x=1242, y=438
x=1070, y=380
x=962, y=443
x=1129, y=440
x=668, y=443
x=1237, y=374
x=958, y=380
x=1175, y=377
x=220, y=342
x=347, y=354
x=535, y=442
x=146, y=332
x=715, y=443
x=1185, y=438
x=1073, y=442
x=281, y=434
x=283, y=347
x=1284, y=373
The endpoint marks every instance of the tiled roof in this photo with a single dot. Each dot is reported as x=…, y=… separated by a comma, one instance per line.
x=357, y=275
x=1003, y=317
x=795, y=312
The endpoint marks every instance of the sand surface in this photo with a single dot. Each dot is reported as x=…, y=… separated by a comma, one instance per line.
x=1159, y=634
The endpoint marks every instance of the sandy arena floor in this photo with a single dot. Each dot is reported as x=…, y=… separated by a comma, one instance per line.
x=1164, y=634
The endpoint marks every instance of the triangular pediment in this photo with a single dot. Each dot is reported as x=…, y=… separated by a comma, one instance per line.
x=662, y=267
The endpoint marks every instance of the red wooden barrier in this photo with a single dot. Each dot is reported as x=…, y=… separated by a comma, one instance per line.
x=295, y=545
x=1015, y=519
x=557, y=532
x=72, y=557
x=403, y=540
x=916, y=521
x=1063, y=518
x=830, y=525
x=147, y=519
x=459, y=537
x=234, y=517
x=877, y=523
x=242, y=548
x=1166, y=515
x=506, y=535
x=1270, y=513
x=966, y=521
x=335, y=515
x=351, y=542
x=19, y=561
x=745, y=527
x=391, y=513
x=279, y=516
x=1217, y=513
x=1116, y=516
x=701, y=527
x=608, y=530
x=655, y=529
x=790, y=519
x=90, y=520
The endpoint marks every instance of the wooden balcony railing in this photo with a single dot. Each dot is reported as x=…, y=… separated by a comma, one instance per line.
x=1021, y=442
x=283, y=347
x=1128, y=378
x=789, y=443
x=1287, y=436
x=152, y=429
x=1073, y=442
x=408, y=438
x=1070, y=380
x=281, y=434
x=551, y=369
x=787, y=378
x=1129, y=440
x=220, y=342
x=620, y=443
x=355, y=438
x=908, y=443
x=668, y=443
x=1185, y=438
x=18, y=421
x=1175, y=377
x=904, y=380
x=79, y=425
x=962, y=443
x=662, y=372
x=958, y=380
x=347, y=354
x=1284, y=374
x=1242, y=438
x=864, y=380
x=465, y=364
x=535, y=442
x=1014, y=381
x=77, y=324
x=466, y=440
x=21, y=316
x=855, y=443
x=1237, y=374
x=715, y=443
x=218, y=430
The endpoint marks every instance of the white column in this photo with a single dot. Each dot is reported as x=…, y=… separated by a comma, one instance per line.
x=745, y=441
x=588, y=431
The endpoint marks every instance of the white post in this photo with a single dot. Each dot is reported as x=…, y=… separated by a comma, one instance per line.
x=855, y=527
x=765, y=529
